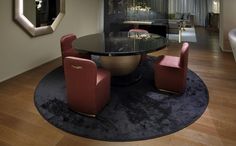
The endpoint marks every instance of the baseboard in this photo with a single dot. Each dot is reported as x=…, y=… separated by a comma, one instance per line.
x=226, y=50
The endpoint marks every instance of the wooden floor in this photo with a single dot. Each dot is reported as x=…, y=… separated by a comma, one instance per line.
x=22, y=125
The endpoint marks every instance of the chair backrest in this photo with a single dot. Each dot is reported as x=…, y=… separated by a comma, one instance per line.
x=138, y=30
x=184, y=56
x=66, y=41
x=81, y=78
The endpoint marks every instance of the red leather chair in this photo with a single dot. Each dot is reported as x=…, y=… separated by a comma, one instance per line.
x=68, y=50
x=141, y=31
x=135, y=31
x=170, y=72
x=88, y=88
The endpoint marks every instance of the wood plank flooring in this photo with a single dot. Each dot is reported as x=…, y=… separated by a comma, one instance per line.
x=22, y=125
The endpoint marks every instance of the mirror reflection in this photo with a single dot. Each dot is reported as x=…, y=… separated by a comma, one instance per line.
x=41, y=12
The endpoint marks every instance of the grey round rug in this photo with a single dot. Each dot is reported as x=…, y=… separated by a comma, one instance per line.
x=135, y=112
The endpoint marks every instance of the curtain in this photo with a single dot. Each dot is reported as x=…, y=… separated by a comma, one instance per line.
x=201, y=12
x=198, y=8
x=182, y=6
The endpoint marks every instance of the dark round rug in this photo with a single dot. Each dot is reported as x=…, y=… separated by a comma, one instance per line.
x=135, y=112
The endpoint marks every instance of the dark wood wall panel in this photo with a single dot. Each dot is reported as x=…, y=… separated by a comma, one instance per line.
x=118, y=11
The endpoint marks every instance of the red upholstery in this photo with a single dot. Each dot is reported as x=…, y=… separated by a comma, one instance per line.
x=68, y=50
x=88, y=88
x=140, y=31
x=171, y=72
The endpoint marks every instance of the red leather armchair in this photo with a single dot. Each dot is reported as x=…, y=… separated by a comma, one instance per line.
x=68, y=50
x=88, y=88
x=141, y=31
x=170, y=72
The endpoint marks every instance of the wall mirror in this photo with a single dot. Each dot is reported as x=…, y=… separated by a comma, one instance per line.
x=39, y=17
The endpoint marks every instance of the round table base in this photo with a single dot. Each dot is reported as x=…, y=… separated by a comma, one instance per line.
x=120, y=65
x=126, y=80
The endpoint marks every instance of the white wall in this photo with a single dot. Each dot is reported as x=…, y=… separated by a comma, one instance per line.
x=19, y=52
x=227, y=22
x=101, y=15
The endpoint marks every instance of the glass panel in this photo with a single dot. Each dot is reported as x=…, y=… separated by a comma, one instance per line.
x=120, y=15
x=41, y=12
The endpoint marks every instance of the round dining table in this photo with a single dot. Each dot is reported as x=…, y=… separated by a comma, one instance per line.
x=119, y=52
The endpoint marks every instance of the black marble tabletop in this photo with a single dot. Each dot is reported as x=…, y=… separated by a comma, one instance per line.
x=119, y=43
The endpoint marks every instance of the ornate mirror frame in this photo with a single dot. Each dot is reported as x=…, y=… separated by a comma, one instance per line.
x=29, y=27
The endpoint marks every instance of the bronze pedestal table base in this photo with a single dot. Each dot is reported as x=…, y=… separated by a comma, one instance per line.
x=120, y=65
x=122, y=69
